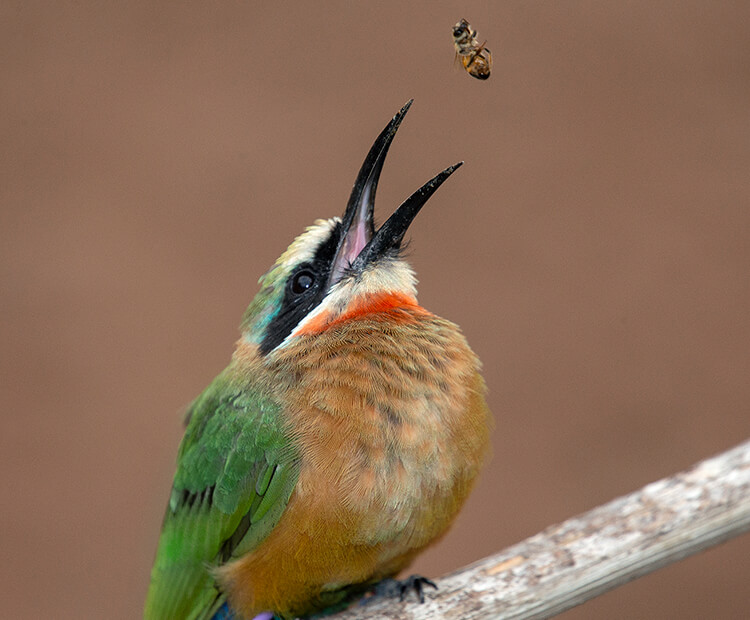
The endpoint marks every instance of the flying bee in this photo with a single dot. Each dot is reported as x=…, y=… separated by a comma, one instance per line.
x=476, y=59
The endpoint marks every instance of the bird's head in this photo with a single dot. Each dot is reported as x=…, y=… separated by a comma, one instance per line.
x=341, y=264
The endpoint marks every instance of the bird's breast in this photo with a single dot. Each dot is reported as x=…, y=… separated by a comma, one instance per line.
x=388, y=414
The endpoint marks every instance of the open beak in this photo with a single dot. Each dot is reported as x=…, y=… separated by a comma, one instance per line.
x=360, y=243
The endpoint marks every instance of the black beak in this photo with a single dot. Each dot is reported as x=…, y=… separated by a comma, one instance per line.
x=360, y=244
x=390, y=235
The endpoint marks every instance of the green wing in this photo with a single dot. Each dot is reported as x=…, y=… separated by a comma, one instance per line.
x=235, y=473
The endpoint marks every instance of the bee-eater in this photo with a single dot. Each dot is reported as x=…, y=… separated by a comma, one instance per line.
x=341, y=440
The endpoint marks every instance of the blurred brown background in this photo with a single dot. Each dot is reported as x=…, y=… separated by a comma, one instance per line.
x=594, y=248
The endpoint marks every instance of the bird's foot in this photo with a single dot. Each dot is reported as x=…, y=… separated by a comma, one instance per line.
x=392, y=588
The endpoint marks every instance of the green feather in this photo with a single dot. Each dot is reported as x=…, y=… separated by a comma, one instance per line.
x=236, y=470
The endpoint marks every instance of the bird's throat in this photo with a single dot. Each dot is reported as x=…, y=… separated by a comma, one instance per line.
x=400, y=307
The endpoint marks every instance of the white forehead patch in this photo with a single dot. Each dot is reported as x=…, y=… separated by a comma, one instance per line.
x=303, y=248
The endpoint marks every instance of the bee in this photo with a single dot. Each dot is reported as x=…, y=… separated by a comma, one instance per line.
x=476, y=59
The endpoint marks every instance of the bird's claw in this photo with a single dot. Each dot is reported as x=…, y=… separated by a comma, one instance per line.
x=392, y=588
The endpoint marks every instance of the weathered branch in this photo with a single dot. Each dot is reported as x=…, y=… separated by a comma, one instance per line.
x=597, y=551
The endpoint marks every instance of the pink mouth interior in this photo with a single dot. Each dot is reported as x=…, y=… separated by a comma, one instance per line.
x=355, y=241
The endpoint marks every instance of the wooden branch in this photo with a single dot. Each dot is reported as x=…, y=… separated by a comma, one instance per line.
x=592, y=553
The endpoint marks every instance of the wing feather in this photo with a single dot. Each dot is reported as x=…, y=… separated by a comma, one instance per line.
x=235, y=472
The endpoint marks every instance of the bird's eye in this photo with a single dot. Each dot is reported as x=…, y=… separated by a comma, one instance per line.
x=302, y=281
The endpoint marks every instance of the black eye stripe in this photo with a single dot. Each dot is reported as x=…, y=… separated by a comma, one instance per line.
x=305, y=288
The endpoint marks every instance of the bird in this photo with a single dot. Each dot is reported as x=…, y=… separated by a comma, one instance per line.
x=341, y=440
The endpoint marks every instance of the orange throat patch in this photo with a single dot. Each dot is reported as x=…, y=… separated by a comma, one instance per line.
x=400, y=307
